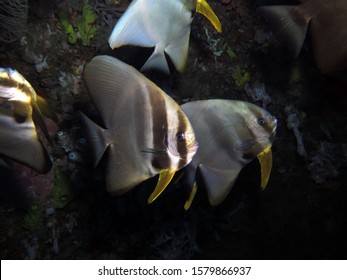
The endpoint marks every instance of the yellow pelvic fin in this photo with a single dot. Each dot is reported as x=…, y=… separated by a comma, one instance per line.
x=165, y=177
x=45, y=108
x=191, y=197
x=265, y=160
x=202, y=7
x=42, y=108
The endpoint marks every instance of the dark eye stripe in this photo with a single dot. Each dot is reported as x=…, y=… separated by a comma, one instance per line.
x=182, y=148
x=160, y=131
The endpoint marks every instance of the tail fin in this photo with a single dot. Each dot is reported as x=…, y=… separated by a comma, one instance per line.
x=96, y=136
x=289, y=23
x=157, y=61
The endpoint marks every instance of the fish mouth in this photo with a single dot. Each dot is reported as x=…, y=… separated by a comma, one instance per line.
x=274, y=129
x=193, y=148
x=274, y=123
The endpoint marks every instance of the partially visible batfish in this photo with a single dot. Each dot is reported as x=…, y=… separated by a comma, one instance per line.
x=19, y=140
x=17, y=90
x=327, y=22
x=145, y=131
x=230, y=134
x=162, y=24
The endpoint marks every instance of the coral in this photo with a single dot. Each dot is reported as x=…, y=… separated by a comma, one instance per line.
x=85, y=24
x=69, y=30
x=33, y=220
x=84, y=28
x=213, y=44
x=65, y=141
x=61, y=192
x=231, y=54
x=257, y=92
x=71, y=147
x=41, y=63
x=13, y=19
x=293, y=123
x=240, y=76
x=325, y=162
x=176, y=243
x=295, y=74
x=109, y=10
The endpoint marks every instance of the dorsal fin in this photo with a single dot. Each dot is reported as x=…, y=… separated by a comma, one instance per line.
x=289, y=23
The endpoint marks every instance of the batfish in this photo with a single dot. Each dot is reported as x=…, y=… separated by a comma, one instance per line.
x=144, y=133
x=230, y=134
x=18, y=103
x=327, y=22
x=162, y=24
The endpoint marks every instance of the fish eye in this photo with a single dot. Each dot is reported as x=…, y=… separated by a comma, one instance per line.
x=180, y=136
x=261, y=121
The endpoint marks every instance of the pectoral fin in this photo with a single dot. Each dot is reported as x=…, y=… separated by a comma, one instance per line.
x=265, y=160
x=157, y=61
x=165, y=177
x=202, y=7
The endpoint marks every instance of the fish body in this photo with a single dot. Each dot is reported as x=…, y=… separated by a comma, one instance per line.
x=230, y=134
x=145, y=132
x=326, y=21
x=162, y=24
x=19, y=140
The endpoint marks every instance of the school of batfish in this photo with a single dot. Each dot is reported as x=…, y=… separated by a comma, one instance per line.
x=144, y=132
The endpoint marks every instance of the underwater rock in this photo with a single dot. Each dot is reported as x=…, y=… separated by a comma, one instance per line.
x=13, y=19
x=65, y=141
x=61, y=192
x=75, y=156
x=33, y=220
x=325, y=163
x=293, y=123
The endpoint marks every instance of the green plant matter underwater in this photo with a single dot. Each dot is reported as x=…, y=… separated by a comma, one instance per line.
x=61, y=192
x=85, y=25
x=240, y=76
x=33, y=220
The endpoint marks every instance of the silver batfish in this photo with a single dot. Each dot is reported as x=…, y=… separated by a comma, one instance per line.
x=19, y=140
x=163, y=24
x=327, y=23
x=145, y=131
x=230, y=134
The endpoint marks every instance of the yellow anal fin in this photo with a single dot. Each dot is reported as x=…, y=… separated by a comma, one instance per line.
x=265, y=160
x=191, y=197
x=202, y=7
x=165, y=177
